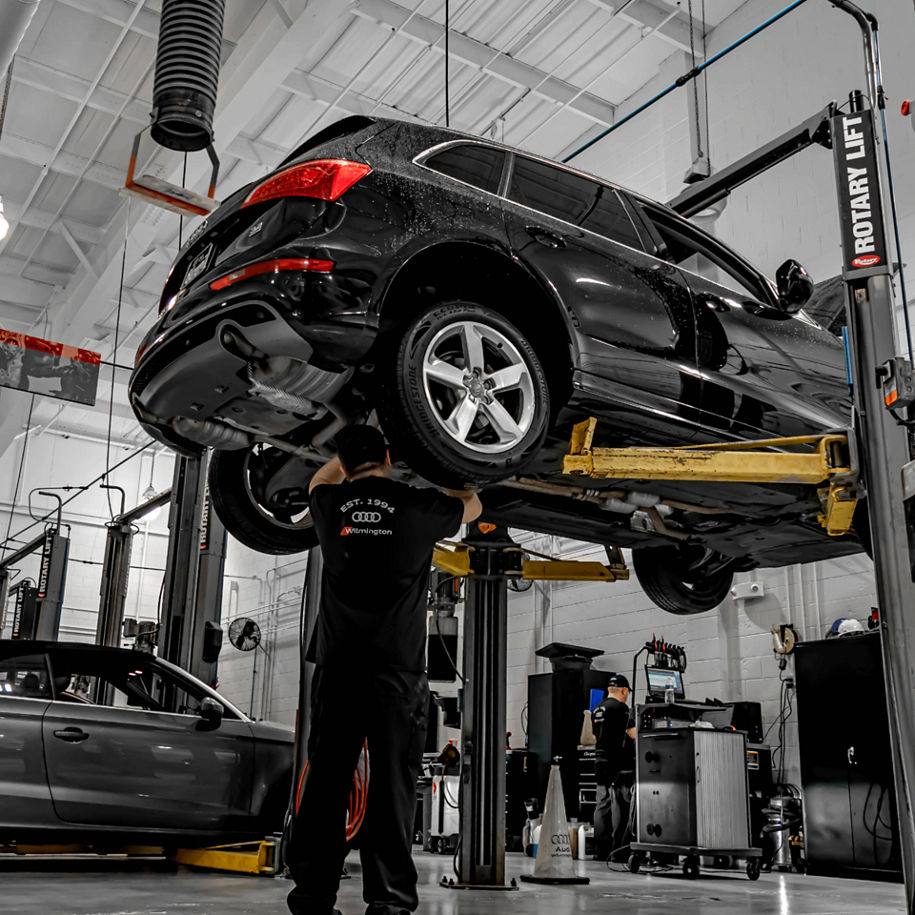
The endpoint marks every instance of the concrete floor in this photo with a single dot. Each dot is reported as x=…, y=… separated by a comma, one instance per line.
x=111, y=886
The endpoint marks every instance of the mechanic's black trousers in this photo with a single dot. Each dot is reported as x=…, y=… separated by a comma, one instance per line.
x=387, y=709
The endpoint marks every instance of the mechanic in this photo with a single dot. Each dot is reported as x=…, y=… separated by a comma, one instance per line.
x=614, y=767
x=377, y=537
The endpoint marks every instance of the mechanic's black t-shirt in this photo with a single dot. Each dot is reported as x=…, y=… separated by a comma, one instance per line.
x=615, y=749
x=377, y=537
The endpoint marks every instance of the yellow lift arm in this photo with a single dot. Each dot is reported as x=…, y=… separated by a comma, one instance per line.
x=827, y=460
x=455, y=558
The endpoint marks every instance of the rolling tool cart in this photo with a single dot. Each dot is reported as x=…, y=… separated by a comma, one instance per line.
x=691, y=797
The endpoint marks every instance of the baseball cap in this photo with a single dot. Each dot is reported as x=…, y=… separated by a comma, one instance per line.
x=619, y=681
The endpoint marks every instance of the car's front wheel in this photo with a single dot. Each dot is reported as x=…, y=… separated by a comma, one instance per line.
x=683, y=579
x=261, y=496
x=467, y=398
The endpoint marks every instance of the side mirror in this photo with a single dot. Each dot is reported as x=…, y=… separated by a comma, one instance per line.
x=211, y=710
x=795, y=287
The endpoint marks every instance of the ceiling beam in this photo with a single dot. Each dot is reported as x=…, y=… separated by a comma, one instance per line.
x=15, y=316
x=327, y=93
x=118, y=12
x=43, y=274
x=15, y=288
x=486, y=59
x=75, y=88
x=64, y=163
x=41, y=219
x=647, y=14
x=73, y=245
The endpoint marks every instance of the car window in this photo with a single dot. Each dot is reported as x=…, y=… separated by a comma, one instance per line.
x=25, y=677
x=480, y=166
x=569, y=197
x=698, y=253
x=123, y=681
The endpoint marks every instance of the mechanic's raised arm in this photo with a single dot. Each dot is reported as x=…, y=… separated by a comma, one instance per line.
x=473, y=507
x=331, y=472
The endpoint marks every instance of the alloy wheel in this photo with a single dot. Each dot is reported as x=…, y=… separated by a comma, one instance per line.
x=479, y=386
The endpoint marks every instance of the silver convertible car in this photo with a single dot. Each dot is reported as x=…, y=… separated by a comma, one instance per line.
x=110, y=746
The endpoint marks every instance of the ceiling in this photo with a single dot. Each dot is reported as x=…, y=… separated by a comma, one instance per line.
x=541, y=74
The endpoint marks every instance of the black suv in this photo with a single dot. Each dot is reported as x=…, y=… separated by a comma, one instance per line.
x=477, y=301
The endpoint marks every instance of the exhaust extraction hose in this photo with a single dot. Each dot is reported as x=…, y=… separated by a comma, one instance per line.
x=187, y=73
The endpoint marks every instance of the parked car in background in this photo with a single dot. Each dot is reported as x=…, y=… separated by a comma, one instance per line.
x=109, y=746
x=477, y=301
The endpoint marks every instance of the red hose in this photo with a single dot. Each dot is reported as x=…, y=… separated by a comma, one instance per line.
x=358, y=796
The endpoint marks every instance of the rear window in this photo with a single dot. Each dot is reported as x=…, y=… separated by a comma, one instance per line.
x=574, y=199
x=480, y=166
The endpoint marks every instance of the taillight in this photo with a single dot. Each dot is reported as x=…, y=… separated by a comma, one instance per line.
x=325, y=179
x=287, y=263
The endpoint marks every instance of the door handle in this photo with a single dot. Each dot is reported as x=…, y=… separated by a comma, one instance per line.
x=545, y=237
x=71, y=735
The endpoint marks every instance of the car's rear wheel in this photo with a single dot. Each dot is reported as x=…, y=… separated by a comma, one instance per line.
x=261, y=496
x=683, y=579
x=466, y=399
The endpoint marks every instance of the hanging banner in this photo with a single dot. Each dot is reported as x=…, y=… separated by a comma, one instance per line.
x=43, y=367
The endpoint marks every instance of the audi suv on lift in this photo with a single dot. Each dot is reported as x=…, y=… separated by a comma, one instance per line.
x=477, y=301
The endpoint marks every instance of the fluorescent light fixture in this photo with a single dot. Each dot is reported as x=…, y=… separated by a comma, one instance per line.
x=4, y=223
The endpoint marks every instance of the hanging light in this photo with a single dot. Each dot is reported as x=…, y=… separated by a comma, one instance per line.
x=4, y=223
x=151, y=493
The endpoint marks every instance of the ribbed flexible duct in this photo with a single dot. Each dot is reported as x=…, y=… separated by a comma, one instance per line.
x=187, y=73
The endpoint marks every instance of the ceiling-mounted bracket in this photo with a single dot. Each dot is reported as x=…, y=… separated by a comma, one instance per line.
x=161, y=193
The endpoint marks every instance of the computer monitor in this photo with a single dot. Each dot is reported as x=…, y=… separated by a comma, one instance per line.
x=597, y=696
x=660, y=679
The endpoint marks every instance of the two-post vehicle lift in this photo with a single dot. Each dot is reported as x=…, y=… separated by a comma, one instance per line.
x=875, y=452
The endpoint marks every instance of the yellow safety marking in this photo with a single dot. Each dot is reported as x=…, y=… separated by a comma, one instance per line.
x=839, y=502
x=245, y=858
x=572, y=570
x=455, y=558
x=736, y=462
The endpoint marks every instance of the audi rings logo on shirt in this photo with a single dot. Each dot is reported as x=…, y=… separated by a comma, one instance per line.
x=367, y=517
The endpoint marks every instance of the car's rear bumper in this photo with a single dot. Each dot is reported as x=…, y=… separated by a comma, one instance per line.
x=200, y=368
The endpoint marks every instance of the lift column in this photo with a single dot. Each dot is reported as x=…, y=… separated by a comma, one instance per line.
x=116, y=571
x=189, y=631
x=482, y=801
x=871, y=323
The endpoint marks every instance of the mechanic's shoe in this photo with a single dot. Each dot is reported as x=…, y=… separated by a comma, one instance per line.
x=299, y=906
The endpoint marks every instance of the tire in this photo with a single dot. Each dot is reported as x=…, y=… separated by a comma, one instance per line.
x=691, y=868
x=683, y=579
x=754, y=867
x=443, y=408
x=635, y=863
x=261, y=496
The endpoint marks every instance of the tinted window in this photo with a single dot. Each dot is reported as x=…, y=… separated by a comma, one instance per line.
x=112, y=679
x=480, y=166
x=572, y=198
x=691, y=250
x=25, y=677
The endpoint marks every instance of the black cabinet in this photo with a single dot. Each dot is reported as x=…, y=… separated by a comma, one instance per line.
x=556, y=704
x=846, y=759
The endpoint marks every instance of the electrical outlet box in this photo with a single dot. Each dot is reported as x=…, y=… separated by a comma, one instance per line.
x=747, y=590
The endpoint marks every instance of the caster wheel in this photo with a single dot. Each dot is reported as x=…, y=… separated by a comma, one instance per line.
x=753, y=868
x=635, y=862
x=691, y=868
